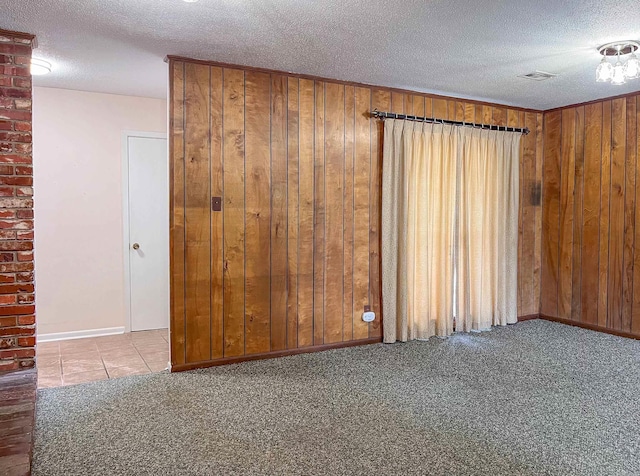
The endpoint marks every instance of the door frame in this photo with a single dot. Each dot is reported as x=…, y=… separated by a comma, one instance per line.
x=124, y=163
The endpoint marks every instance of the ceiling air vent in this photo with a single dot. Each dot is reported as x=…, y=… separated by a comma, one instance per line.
x=538, y=76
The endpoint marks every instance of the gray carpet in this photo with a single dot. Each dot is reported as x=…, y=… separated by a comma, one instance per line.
x=536, y=398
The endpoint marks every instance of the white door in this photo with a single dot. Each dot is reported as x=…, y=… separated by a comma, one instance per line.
x=148, y=232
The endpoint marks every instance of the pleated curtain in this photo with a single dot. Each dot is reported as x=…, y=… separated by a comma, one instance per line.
x=449, y=229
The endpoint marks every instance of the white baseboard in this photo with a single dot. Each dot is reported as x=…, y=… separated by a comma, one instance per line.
x=109, y=331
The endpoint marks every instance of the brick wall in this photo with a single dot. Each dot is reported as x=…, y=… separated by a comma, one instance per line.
x=17, y=308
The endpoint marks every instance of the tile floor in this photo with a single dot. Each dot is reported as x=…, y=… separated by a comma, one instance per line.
x=70, y=362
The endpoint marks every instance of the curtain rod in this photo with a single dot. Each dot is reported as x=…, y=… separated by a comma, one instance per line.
x=393, y=115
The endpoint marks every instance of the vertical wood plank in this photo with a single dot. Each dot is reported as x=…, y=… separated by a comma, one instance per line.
x=635, y=311
x=513, y=120
x=629, y=214
x=616, y=218
x=419, y=106
x=334, y=180
x=279, y=239
x=460, y=110
x=293, y=203
x=439, y=108
x=306, y=206
x=605, y=194
x=578, y=218
x=428, y=107
x=567, y=174
x=591, y=213
x=479, y=114
x=408, y=104
x=176, y=215
x=451, y=110
x=397, y=103
x=528, y=216
x=551, y=213
x=469, y=112
x=380, y=99
x=319, y=218
x=361, y=181
x=348, y=203
x=234, y=213
x=537, y=252
x=487, y=114
x=499, y=116
x=197, y=213
x=217, y=272
x=257, y=213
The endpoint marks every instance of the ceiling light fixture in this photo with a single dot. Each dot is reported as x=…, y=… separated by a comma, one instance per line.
x=40, y=67
x=622, y=70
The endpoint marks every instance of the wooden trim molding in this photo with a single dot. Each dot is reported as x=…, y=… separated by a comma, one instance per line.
x=20, y=34
x=270, y=355
x=528, y=317
x=170, y=58
x=594, y=101
x=591, y=327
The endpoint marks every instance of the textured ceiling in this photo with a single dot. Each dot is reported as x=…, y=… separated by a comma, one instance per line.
x=472, y=49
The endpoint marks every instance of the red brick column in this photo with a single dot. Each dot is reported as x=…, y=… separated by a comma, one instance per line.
x=17, y=298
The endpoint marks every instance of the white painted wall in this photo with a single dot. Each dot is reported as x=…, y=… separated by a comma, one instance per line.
x=78, y=204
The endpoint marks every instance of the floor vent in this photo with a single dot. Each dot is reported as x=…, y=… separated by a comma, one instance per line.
x=538, y=76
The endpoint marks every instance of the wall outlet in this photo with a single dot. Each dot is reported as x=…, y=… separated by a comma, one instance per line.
x=368, y=316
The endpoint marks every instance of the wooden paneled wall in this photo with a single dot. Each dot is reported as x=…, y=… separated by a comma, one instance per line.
x=590, y=249
x=293, y=257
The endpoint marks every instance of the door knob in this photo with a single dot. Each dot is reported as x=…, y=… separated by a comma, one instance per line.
x=135, y=246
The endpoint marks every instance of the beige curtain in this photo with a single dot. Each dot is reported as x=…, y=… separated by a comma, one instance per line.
x=418, y=208
x=487, y=265
x=448, y=206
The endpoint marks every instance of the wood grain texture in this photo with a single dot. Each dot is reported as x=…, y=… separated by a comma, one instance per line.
x=334, y=183
x=513, y=120
x=293, y=209
x=537, y=243
x=499, y=116
x=176, y=212
x=217, y=190
x=279, y=206
x=630, y=168
x=319, y=225
x=233, y=210
x=616, y=213
x=578, y=220
x=604, y=256
x=306, y=213
x=567, y=184
x=257, y=213
x=605, y=195
x=589, y=280
x=440, y=108
x=347, y=207
x=361, y=190
x=381, y=100
x=635, y=311
x=551, y=213
x=528, y=208
x=293, y=258
x=197, y=213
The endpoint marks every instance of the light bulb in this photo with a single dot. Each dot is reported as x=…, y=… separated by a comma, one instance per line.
x=40, y=67
x=632, y=67
x=618, y=74
x=604, y=71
